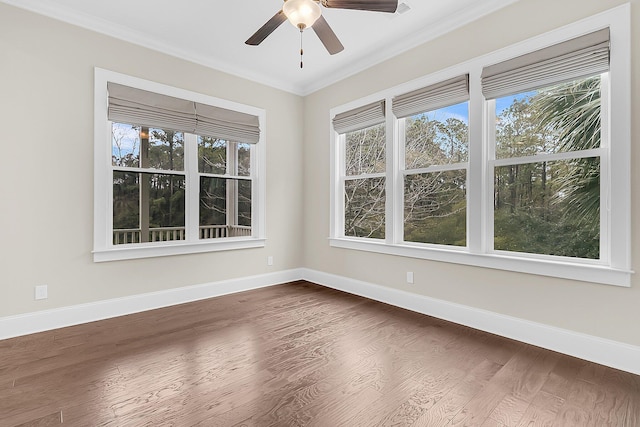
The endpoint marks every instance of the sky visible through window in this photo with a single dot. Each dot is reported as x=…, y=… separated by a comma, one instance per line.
x=461, y=111
x=506, y=101
x=125, y=140
x=458, y=111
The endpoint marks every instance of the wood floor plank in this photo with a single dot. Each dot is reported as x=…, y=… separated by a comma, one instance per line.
x=338, y=409
x=506, y=380
x=300, y=354
x=542, y=411
x=279, y=408
x=375, y=412
x=429, y=392
x=513, y=407
x=446, y=408
x=509, y=411
x=31, y=415
x=632, y=417
x=571, y=415
x=490, y=422
x=50, y=420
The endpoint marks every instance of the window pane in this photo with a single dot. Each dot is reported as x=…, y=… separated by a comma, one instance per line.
x=213, y=201
x=550, y=208
x=212, y=155
x=125, y=145
x=126, y=200
x=166, y=149
x=365, y=151
x=225, y=207
x=244, y=203
x=364, y=207
x=137, y=146
x=437, y=137
x=244, y=159
x=561, y=118
x=435, y=208
x=163, y=201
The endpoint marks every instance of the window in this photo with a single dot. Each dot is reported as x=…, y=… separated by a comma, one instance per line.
x=517, y=160
x=433, y=134
x=182, y=172
x=364, y=182
x=547, y=170
x=225, y=188
x=148, y=184
x=362, y=145
x=546, y=108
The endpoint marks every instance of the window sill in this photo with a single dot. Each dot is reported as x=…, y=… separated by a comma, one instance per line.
x=586, y=272
x=152, y=250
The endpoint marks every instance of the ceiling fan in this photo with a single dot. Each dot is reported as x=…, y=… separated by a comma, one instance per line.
x=307, y=13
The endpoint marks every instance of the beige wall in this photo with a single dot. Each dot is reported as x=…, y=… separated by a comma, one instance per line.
x=46, y=107
x=46, y=213
x=599, y=310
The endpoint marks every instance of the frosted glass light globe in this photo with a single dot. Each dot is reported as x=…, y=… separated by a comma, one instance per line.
x=302, y=13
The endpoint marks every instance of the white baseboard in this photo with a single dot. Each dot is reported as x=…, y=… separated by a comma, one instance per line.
x=615, y=354
x=599, y=350
x=45, y=320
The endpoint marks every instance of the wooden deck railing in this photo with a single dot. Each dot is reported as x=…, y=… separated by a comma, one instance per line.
x=165, y=234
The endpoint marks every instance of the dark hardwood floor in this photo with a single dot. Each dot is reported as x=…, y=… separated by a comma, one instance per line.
x=300, y=355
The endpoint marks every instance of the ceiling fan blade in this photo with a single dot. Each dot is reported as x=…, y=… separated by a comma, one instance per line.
x=268, y=28
x=389, y=6
x=327, y=36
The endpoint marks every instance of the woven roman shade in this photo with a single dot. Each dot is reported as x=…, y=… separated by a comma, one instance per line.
x=359, y=118
x=144, y=108
x=580, y=57
x=226, y=124
x=430, y=98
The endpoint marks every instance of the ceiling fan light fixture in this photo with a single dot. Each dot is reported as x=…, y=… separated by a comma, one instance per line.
x=302, y=13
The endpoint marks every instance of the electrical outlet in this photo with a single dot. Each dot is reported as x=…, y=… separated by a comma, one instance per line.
x=410, y=277
x=42, y=292
x=269, y=260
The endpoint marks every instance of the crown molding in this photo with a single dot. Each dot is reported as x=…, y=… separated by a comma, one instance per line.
x=379, y=55
x=110, y=29
x=302, y=88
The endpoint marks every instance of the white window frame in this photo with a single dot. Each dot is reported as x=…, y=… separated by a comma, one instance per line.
x=614, y=266
x=104, y=249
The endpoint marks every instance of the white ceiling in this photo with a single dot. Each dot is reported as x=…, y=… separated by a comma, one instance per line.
x=212, y=33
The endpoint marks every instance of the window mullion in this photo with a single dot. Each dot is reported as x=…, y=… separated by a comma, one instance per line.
x=543, y=157
x=365, y=176
x=255, y=226
x=390, y=175
x=192, y=191
x=340, y=190
x=232, y=187
x=398, y=174
x=225, y=176
x=150, y=171
x=478, y=215
x=487, y=231
x=436, y=168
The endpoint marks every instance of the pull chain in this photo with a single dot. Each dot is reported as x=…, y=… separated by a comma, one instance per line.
x=301, y=51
